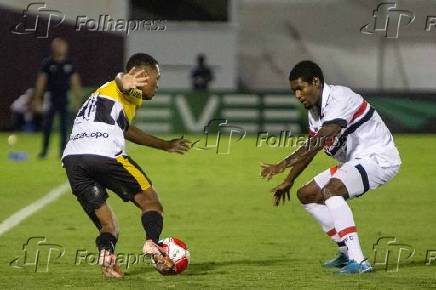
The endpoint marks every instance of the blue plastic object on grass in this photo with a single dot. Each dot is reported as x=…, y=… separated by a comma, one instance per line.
x=17, y=155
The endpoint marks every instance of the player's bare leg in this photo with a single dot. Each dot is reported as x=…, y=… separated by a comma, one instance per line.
x=152, y=221
x=107, y=240
x=108, y=221
x=311, y=197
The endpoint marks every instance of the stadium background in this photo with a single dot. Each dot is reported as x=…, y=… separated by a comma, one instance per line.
x=250, y=45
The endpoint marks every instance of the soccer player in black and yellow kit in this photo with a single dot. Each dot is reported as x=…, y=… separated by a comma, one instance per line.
x=95, y=160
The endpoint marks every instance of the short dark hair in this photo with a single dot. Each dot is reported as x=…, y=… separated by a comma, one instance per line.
x=140, y=59
x=306, y=70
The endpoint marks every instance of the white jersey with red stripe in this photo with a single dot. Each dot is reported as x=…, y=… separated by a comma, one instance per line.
x=363, y=133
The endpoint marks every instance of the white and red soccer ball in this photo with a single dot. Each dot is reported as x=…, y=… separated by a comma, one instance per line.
x=177, y=251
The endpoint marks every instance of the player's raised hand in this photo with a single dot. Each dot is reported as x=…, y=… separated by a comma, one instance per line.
x=132, y=79
x=269, y=170
x=179, y=145
x=281, y=192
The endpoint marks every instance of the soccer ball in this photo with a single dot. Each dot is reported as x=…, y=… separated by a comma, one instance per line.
x=12, y=139
x=178, y=252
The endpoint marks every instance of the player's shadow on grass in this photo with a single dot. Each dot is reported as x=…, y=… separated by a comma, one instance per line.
x=216, y=268
x=207, y=268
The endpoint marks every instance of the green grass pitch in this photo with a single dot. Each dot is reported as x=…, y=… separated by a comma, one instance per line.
x=220, y=207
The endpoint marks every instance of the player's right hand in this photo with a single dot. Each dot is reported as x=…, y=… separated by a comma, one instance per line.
x=179, y=145
x=132, y=79
x=269, y=170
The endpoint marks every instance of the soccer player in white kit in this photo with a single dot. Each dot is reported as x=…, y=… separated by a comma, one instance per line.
x=346, y=126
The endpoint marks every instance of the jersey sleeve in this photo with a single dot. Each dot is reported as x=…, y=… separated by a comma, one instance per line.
x=122, y=121
x=339, y=110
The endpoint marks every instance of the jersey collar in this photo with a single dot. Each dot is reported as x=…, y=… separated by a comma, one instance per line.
x=325, y=95
x=130, y=99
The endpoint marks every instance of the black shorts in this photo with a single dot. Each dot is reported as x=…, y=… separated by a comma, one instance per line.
x=91, y=175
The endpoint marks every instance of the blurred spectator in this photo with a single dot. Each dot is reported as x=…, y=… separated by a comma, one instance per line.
x=23, y=116
x=201, y=75
x=21, y=110
x=57, y=74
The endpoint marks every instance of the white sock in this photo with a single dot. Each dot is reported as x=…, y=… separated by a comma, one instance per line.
x=341, y=244
x=322, y=214
x=345, y=227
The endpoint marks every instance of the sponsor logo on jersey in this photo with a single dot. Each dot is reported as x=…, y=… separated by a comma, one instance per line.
x=94, y=135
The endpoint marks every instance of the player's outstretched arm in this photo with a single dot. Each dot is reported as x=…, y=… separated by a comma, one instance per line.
x=269, y=170
x=298, y=161
x=304, y=153
x=137, y=136
x=282, y=191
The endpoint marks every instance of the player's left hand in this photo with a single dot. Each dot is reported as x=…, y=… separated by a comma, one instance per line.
x=269, y=170
x=281, y=192
x=179, y=145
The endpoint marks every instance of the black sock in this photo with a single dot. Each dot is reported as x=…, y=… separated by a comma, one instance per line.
x=152, y=221
x=106, y=241
x=341, y=244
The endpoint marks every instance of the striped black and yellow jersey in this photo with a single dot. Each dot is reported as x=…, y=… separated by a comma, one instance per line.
x=101, y=122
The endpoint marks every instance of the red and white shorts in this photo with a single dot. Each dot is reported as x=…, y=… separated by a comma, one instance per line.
x=358, y=175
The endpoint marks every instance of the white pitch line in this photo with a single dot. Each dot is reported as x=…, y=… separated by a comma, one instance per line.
x=27, y=211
